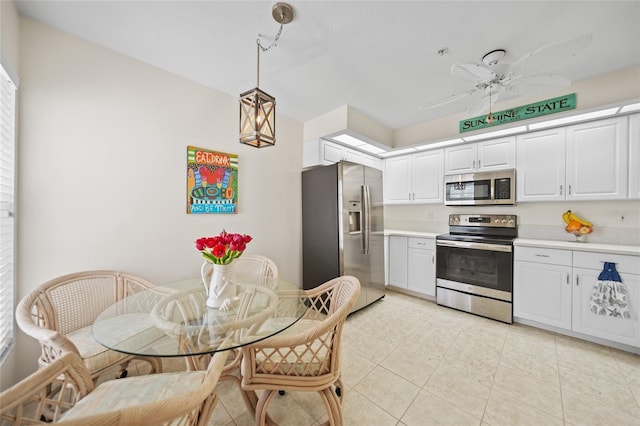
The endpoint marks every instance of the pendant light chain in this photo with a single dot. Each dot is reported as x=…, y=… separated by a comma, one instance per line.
x=264, y=49
x=274, y=43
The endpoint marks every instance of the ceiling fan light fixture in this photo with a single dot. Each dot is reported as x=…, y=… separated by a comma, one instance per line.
x=493, y=57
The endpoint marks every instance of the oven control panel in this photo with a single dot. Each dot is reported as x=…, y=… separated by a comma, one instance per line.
x=499, y=221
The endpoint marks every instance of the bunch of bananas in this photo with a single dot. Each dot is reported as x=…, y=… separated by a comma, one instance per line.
x=575, y=224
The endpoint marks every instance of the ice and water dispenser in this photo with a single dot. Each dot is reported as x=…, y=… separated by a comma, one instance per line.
x=355, y=217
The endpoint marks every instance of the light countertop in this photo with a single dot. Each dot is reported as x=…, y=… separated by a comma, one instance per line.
x=388, y=232
x=571, y=245
x=527, y=242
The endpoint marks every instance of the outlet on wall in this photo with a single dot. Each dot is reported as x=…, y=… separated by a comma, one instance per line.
x=622, y=216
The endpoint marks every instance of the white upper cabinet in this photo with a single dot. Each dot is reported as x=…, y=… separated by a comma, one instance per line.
x=322, y=152
x=597, y=160
x=494, y=154
x=585, y=161
x=634, y=156
x=397, y=180
x=415, y=178
x=540, y=166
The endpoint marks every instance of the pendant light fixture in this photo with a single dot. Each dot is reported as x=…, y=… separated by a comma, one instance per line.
x=257, y=108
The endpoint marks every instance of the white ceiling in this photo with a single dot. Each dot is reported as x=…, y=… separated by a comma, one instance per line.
x=377, y=56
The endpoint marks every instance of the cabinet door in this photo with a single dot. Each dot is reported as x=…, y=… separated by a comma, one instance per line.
x=497, y=154
x=540, y=159
x=397, y=172
x=542, y=293
x=597, y=158
x=634, y=156
x=621, y=330
x=353, y=156
x=398, y=261
x=331, y=153
x=460, y=159
x=421, y=271
x=372, y=161
x=428, y=176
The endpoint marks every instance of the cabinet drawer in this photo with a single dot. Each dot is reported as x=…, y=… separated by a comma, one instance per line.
x=543, y=255
x=589, y=260
x=422, y=243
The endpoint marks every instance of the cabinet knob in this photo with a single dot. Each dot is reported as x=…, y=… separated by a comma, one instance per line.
x=560, y=189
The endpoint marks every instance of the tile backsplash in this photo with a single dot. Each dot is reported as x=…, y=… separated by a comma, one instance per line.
x=615, y=222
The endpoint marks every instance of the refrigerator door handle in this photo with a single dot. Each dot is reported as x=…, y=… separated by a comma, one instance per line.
x=366, y=218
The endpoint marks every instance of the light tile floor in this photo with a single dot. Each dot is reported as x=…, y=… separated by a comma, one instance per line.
x=409, y=362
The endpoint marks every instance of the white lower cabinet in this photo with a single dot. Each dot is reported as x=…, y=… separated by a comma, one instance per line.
x=586, y=268
x=554, y=287
x=542, y=293
x=398, y=261
x=421, y=266
x=412, y=264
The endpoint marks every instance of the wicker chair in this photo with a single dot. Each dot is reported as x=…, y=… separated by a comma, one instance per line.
x=60, y=314
x=307, y=356
x=63, y=393
x=253, y=269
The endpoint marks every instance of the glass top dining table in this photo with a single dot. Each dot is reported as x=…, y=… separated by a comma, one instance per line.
x=173, y=320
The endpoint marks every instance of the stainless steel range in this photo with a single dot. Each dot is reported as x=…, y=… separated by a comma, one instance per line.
x=474, y=268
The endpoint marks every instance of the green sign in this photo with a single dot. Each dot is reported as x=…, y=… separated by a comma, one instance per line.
x=537, y=109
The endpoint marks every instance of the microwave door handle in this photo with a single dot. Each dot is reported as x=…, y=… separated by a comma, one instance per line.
x=492, y=190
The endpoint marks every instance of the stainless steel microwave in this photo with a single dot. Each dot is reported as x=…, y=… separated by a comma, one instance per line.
x=483, y=188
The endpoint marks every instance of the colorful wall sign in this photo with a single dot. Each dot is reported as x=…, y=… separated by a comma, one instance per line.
x=212, y=181
x=537, y=109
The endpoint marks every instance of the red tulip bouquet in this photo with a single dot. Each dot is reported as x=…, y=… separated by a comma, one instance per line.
x=224, y=248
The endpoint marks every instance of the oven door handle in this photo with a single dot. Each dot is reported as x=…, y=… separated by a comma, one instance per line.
x=474, y=246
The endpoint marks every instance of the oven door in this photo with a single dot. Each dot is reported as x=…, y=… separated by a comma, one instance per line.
x=487, y=267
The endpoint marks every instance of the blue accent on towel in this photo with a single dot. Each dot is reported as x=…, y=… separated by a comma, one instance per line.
x=609, y=273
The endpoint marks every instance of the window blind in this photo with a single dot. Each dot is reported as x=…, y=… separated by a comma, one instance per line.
x=7, y=228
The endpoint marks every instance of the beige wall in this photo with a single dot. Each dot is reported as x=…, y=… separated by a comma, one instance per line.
x=102, y=169
x=9, y=36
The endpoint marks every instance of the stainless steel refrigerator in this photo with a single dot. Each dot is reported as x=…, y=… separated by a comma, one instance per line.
x=343, y=227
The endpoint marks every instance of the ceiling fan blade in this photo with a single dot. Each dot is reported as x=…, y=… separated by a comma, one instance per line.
x=555, y=52
x=448, y=99
x=537, y=84
x=474, y=73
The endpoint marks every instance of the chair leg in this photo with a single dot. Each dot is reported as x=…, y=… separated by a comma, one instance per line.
x=339, y=388
x=333, y=404
x=155, y=363
x=123, y=370
x=262, y=418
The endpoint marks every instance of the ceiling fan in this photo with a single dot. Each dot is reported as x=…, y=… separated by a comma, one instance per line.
x=491, y=78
